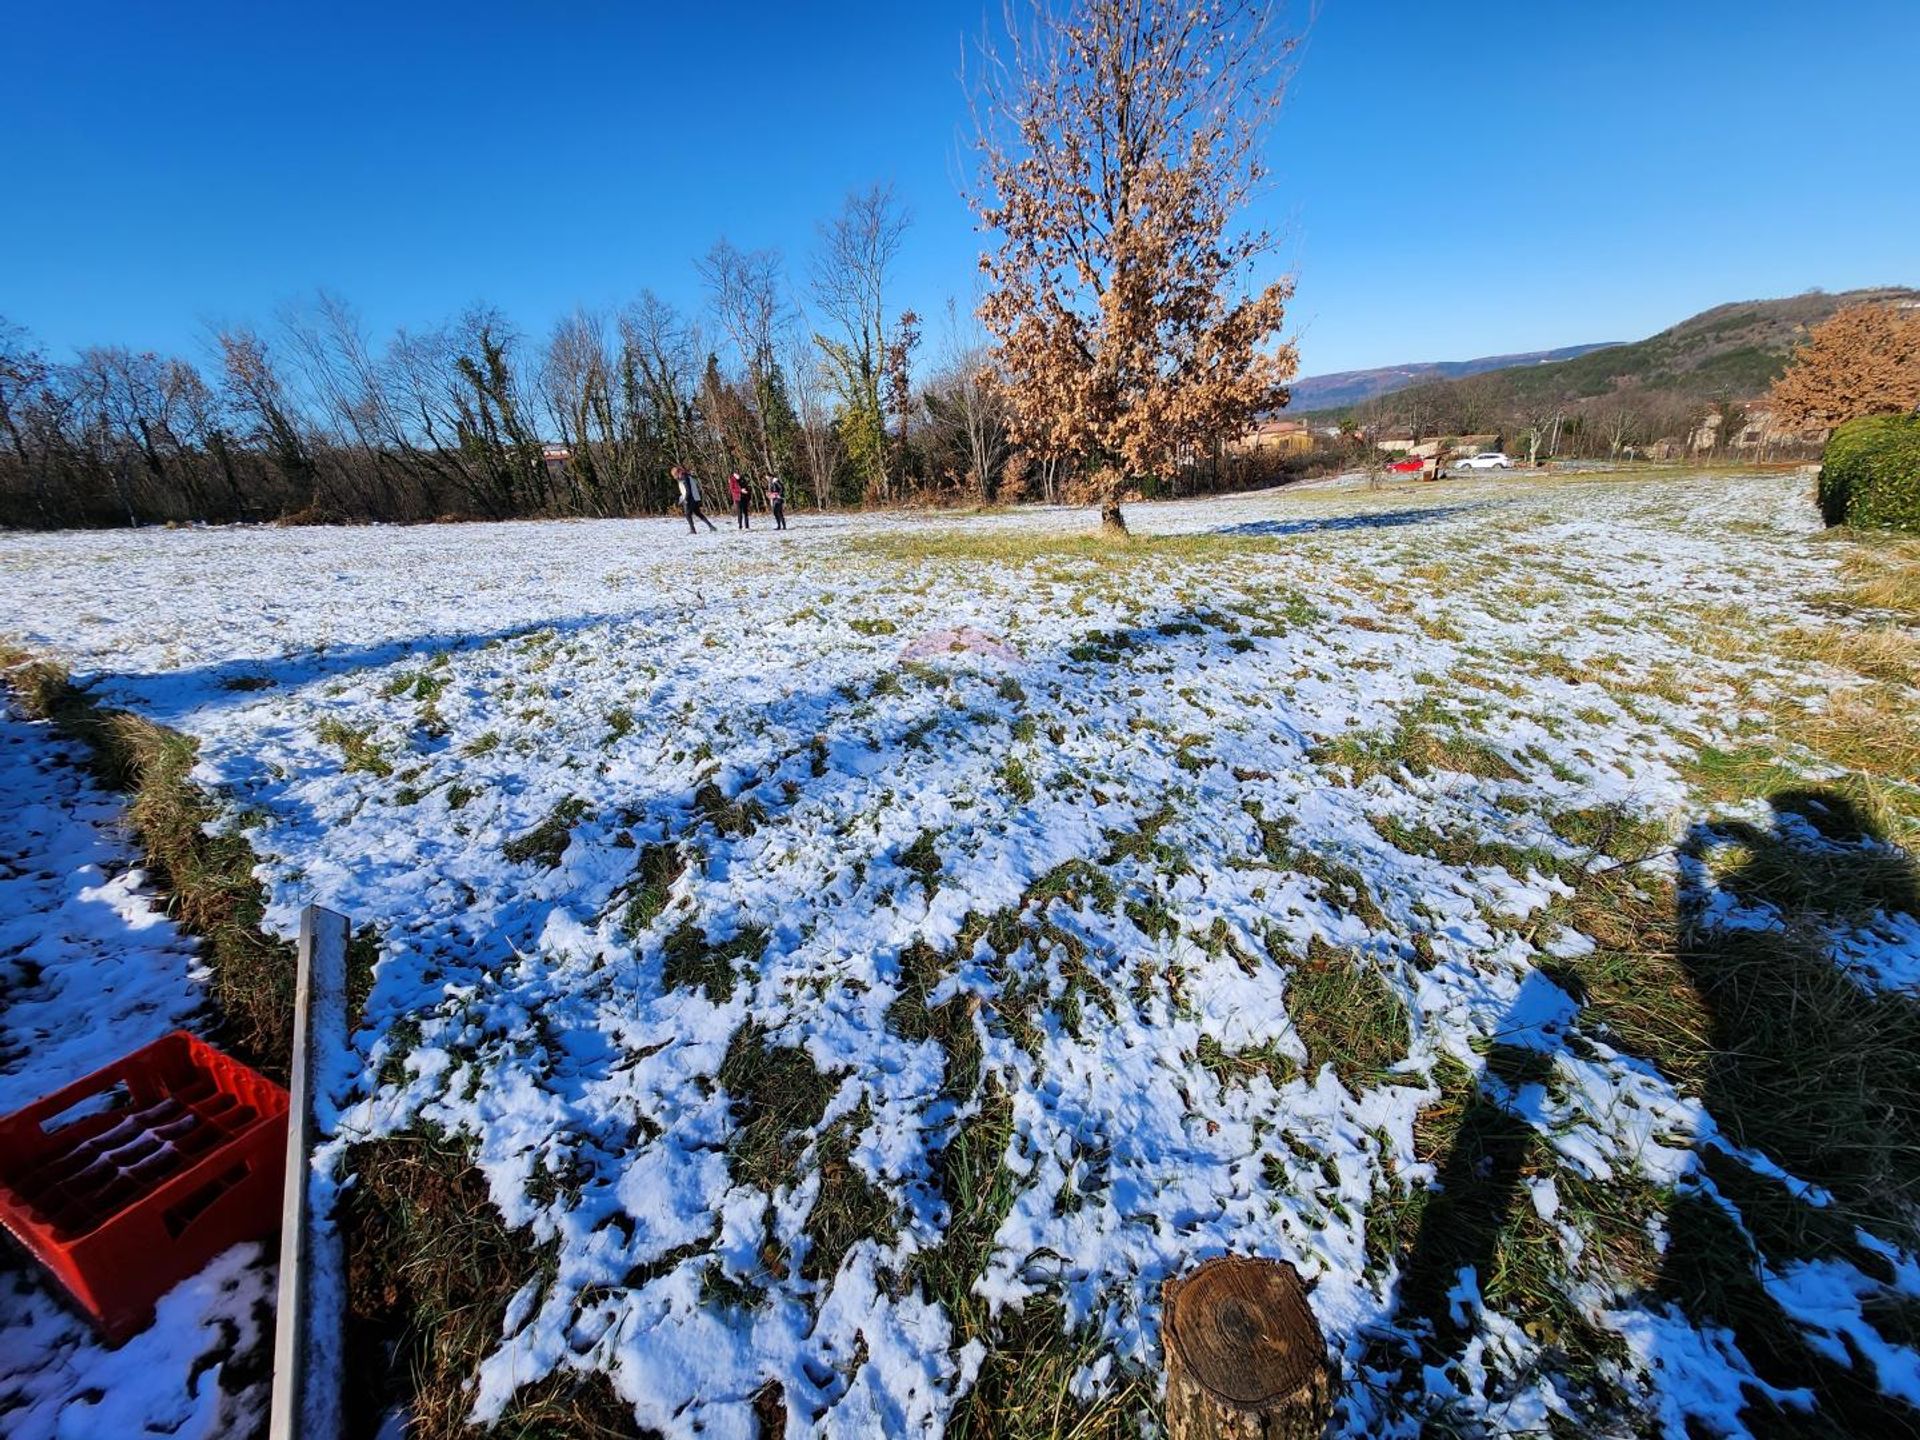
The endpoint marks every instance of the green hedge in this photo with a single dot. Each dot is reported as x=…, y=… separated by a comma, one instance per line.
x=1870, y=474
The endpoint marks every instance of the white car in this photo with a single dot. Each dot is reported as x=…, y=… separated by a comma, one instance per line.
x=1485, y=460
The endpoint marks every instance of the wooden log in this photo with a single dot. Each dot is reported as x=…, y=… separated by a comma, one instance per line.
x=1245, y=1359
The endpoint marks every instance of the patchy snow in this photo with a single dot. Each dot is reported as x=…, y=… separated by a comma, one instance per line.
x=90, y=969
x=58, y=1380
x=1127, y=815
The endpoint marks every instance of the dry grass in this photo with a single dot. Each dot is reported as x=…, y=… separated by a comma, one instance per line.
x=1090, y=548
x=546, y=843
x=1792, y=1058
x=1885, y=650
x=1423, y=741
x=1883, y=570
x=949, y=1024
x=1867, y=725
x=1478, y=1214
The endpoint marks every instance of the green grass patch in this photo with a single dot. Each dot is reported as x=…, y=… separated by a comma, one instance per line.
x=356, y=745
x=729, y=817
x=1019, y=784
x=848, y=1208
x=484, y=743
x=922, y=860
x=778, y=1096
x=656, y=869
x=949, y=1024
x=430, y=1271
x=1239, y=1067
x=1346, y=1015
x=547, y=842
x=1424, y=741
x=1023, y=1391
x=1073, y=882
x=692, y=959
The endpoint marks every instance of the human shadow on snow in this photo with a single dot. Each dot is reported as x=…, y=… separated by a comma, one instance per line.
x=1818, y=1075
x=1804, y=1069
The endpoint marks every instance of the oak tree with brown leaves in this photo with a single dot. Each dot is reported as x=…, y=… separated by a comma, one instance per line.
x=1120, y=141
x=1863, y=361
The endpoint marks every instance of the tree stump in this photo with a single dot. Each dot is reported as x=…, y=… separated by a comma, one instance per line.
x=1245, y=1359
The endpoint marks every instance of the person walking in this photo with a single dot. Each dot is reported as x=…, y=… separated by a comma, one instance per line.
x=738, y=490
x=690, y=499
x=777, y=501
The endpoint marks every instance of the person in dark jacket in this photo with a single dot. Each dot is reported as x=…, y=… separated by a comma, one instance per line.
x=690, y=499
x=777, y=501
x=738, y=490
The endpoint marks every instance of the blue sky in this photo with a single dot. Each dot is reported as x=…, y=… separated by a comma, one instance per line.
x=1453, y=180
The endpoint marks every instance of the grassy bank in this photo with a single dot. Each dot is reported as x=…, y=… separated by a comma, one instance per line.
x=206, y=876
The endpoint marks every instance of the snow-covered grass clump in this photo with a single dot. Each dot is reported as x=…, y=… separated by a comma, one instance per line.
x=860, y=1026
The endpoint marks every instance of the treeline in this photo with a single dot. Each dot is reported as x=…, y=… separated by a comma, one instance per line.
x=309, y=419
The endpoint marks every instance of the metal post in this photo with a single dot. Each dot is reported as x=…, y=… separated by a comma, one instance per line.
x=306, y=1346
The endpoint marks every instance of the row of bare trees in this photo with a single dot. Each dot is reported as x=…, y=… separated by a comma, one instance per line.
x=1129, y=331
x=311, y=418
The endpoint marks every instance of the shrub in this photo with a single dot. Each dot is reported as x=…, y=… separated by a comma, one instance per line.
x=1870, y=474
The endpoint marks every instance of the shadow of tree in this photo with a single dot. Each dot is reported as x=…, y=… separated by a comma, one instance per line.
x=1374, y=520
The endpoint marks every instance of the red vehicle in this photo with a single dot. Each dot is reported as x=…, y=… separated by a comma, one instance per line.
x=1412, y=465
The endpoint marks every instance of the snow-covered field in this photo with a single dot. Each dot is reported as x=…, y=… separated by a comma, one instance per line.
x=724, y=903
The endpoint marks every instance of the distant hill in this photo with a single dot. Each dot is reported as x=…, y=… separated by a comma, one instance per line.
x=1729, y=353
x=1344, y=388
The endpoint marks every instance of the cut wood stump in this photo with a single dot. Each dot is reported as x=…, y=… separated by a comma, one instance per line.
x=1244, y=1355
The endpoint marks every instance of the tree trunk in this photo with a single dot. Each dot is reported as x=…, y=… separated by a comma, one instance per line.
x=1245, y=1359
x=1112, y=522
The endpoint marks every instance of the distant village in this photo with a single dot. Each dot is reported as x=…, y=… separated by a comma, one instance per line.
x=1751, y=432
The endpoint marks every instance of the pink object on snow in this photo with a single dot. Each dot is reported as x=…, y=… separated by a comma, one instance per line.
x=959, y=639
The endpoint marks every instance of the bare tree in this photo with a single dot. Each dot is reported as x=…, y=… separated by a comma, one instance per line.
x=748, y=298
x=364, y=442
x=23, y=377
x=851, y=269
x=663, y=347
x=1618, y=426
x=1540, y=428
x=573, y=382
x=966, y=403
x=813, y=404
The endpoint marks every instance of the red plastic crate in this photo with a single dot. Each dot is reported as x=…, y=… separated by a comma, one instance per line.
x=125, y=1183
